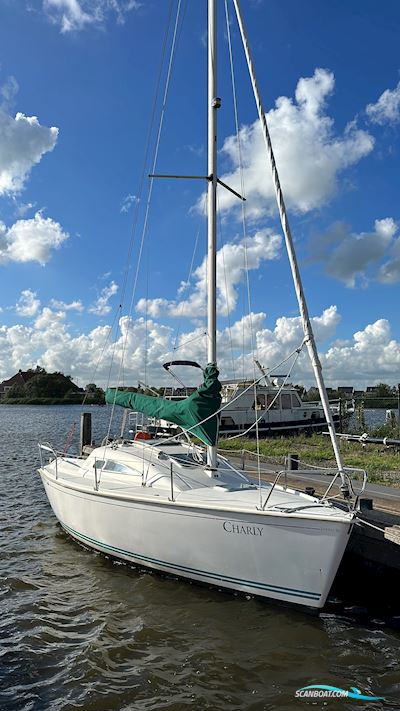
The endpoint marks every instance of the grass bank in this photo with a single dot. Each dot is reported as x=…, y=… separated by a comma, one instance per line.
x=382, y=463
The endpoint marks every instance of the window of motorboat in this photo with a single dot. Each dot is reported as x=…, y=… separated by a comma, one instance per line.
x=272, y=403
x=259, y=403
x=109, y=465
x=286, y=402
x=296, y=402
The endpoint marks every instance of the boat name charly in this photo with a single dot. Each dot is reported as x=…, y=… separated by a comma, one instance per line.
x=244, y=529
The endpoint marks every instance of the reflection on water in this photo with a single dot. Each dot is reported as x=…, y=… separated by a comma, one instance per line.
x=79, y=631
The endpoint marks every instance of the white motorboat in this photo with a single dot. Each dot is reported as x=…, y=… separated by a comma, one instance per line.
x=179, y=508
x=278, y=408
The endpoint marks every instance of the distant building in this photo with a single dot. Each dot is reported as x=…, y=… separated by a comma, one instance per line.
x=20, y=378
x=347, y=390
x=371, y=389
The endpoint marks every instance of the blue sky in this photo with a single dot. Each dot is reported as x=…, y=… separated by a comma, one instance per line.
x=77, y=83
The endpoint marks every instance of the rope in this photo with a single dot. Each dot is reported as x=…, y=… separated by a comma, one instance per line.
x=361, y=521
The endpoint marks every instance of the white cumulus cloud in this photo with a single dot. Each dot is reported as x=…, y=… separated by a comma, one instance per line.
x=389, y=272
x=101, y=307
x=8, y=92
x=387, y=108
x=28, y=303
x=232, y=260
x=370, y=356
x=72, y=306
x=23, y=142
x=74, y=15
x=128, y=201
x=309, y=153
x=347, y=255
x=30, y=240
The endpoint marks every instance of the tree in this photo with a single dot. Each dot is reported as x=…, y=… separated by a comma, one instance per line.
x=49, y=385
x=384, y=390
x=16, y=391
x=383, y=396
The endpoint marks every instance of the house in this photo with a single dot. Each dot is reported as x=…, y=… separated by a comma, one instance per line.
x=51, y=385
x=20, y=378
x=347, y=390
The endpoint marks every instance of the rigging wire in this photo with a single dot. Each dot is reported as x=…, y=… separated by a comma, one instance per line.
x=190, y=340
x=150, y=192
x=175, y=347
x=244, y=226
x=103, y=348
x=118, y=311
x=305, y=317
x=147, y=151
x=286, y=378
x=228, y=309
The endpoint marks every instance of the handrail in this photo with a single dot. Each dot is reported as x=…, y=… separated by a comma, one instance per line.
x=48, y=448
x=347, y=471
x=56, y=454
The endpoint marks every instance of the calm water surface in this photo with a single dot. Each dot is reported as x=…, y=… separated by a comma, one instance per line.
x=81, y=632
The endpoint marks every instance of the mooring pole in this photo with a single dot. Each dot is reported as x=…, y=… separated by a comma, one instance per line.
x=86, y=431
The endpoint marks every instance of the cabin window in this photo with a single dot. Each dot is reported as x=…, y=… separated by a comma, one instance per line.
x=259, y=403
x=295, y=401
x=110, y=466
x=272, y=402
x=99, y=463
x=286, y=401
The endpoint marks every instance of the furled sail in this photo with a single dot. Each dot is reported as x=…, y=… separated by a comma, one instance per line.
x=188, y=413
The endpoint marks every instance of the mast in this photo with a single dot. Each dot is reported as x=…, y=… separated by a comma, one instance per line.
x=307, y=328
x=213, y=104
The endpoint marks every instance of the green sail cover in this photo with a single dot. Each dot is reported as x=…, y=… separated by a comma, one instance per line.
x=186, y=413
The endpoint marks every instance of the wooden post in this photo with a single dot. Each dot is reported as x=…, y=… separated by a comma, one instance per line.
x=86, y=431
x=293, y=462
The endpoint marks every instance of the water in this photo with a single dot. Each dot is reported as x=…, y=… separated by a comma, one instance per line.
x=81, y=632
x=373, y=418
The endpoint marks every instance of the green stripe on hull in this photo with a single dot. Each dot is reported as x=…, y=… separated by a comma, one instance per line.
x=193, y=571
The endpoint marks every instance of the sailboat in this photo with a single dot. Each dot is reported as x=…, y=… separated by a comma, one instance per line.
x=173, y=504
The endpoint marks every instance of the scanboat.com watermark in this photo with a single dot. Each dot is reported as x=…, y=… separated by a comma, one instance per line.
x=323, y=691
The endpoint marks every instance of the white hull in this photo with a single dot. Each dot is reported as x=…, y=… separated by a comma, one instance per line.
x=291, y=558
